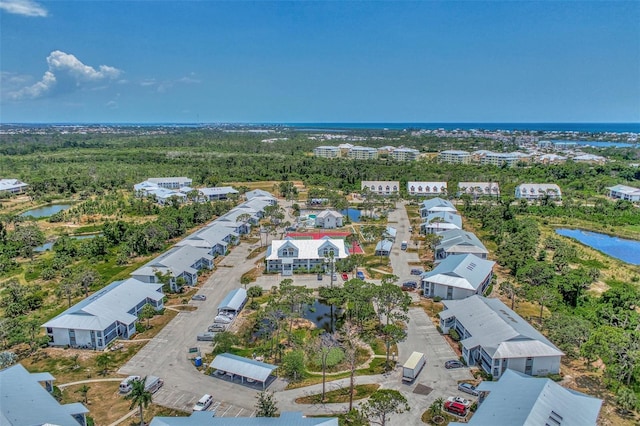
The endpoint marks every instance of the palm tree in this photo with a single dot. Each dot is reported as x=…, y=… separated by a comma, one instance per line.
x=139, y=396
x=84, y=390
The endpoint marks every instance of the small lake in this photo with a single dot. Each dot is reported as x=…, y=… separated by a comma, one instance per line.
x=49, y=245
x=625, y=250
x=352, y=214
x=322, y=315
x=46, y=211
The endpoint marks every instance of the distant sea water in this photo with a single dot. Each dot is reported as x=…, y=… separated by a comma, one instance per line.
x=547, y=127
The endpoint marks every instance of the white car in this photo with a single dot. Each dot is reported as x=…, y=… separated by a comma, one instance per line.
x=203, y=403
x=459, y=400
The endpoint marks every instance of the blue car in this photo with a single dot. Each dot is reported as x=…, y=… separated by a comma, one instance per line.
x=360, y=275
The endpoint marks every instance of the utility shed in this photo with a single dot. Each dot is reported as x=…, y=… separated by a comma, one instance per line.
x=234, y=301
x=246, y=368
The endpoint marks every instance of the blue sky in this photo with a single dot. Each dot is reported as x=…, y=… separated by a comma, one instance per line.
x=208, y=61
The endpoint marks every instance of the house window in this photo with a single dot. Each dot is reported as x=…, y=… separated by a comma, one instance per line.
x=49, y=330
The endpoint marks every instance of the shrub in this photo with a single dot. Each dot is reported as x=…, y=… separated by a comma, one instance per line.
x=454, y=334
x=439, y=329
x=437, y=298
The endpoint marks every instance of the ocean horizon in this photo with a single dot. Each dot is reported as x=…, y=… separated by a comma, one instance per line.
x=319, y=126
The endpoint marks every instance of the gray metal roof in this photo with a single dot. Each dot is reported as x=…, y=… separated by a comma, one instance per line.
x=258, y=193
x=448, y=217
x=384, y=245
x=460, y=270
x=24, y=402
x=436, y=202
x=205, y=418
x=107, y=306
x=177, y=259
x=245, y=367
x=233, y=300
x=518, y=399
x=457, y=240
x=497, y=328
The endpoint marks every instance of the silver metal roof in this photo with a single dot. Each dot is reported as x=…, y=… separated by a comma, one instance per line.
x=518, y=399
x=460, y=270
x=205, y=418
x=23, y=401
x=233, y=300
x=497, y=328
x=245, y=367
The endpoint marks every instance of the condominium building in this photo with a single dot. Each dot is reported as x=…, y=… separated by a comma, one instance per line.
x=363, y=153
x=381, y=187
x=534, y=191
x=499, y=159
x=326, y=151
x=454, y=157
x=405, y=154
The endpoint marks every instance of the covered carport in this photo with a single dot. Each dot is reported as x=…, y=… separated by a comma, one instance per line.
x=233, y=302
x=245, y=368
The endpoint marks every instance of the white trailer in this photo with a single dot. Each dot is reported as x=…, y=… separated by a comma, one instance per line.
x=413, y=366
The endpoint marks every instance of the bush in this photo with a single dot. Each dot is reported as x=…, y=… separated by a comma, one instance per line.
x=437, y=298
x=254, y=291
x=454, y=334
x=439, y=329
x=254, y=305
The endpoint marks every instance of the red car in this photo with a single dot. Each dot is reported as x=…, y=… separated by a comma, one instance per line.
x=455, y=408
x=345, y=277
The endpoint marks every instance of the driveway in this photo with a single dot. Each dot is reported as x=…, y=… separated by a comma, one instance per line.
x=165, y=355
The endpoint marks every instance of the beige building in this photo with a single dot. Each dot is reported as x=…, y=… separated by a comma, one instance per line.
x=326, y=151
x=363, y=153
x=454, y=157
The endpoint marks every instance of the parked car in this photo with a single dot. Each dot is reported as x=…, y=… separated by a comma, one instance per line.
x=334, y=276
x=409, y=285
x=216, y=327
x=319, y=277
x=416, y=271
x=455, y=408
x=207, y=337
x=453, y=363
x=198, y=297
x=345, y=277
x=203, y=403
x=360, y=275
x=468, y=388
x=460, y=400
x=126, y=384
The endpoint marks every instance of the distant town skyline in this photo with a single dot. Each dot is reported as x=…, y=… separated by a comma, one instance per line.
x=260, y=62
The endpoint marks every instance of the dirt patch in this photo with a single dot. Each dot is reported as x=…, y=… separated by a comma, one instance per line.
x=421, y=389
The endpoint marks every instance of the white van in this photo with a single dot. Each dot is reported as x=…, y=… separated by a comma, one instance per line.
x=203, y=403
x=125, y=385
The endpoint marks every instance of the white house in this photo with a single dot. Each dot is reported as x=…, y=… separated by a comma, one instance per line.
x=440, y=222
x=436, y=205
x=517, y=399
x=329, y=219
x=14, y=186
x=427, y=189
x=479, y=189
x=104, y=316
x=496, y=338
x=217, y=193
x=171, y=182
x=381, y=187
x=286, y=256
x=624, y=192
x=25, y=401
x=178, y=262
x=457, y=241
x=534, y=191
x=457, y=277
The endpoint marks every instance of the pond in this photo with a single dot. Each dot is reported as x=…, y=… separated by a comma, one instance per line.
x=323, y=315
x=352, y=214
x=625, y=250
x=49, y=245
x=46, y=211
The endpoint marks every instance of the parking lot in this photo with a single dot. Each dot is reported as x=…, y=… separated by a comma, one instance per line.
x=166, y=354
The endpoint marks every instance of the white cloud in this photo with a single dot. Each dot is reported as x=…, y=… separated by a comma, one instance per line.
x=66, y=74
x=23, y=7
x=112, y=105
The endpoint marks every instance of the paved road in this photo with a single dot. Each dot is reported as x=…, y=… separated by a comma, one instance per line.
x=166, y=354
